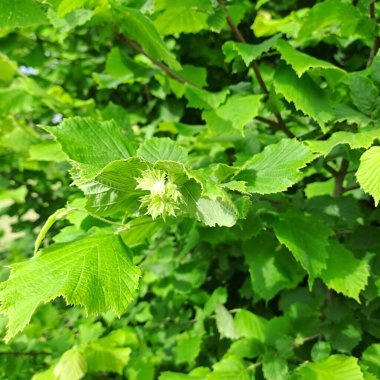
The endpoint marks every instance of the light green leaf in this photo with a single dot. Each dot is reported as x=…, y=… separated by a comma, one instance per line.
x=188, y=16
x=302, y=62
x=233, y=115
x=66, y=6
x=91, y=143
x=71, y=366
x=95, y=271
x=336, y=367
x=187, y=348
x=371, y=358
x=274, y=367
x=161, y=149
x=357, y=140
x=276, y=168
x=349, y=279
x=249, y=325
x=114, y=188
x=20, y=14
x=102, y=357
x=47, y=151
x=203, y=99
x=229, y=368
x=304, y=93
x=140, y=28
x=248, y=52
x=14, y=100
x=307, y=238
x=368, y=174
x=271, y=270
x=8, y=68
x=225, y=322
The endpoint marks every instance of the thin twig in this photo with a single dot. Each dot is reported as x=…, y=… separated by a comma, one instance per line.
x=331, y=170
x=239, y=37
x=351, y=187
x=137, y=48
x=376, y=43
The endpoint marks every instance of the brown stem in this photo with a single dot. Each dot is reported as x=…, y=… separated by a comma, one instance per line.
x=376, y=43
x=137, y=48
x=331, y=170
x=339, y=178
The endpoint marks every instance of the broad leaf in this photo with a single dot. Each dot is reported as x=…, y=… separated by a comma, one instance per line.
x=203, y=99
x=91, y=143
x=276, y=168
x=225, y=322
x=271, y=269
x=368, y=174
x=336, y=367
x=248, y=52
x=71, y=366
x=349, y=279
x=355, y=140
x=229, y=368
x=364, y=95
x=307, y=238
x=161, y=149
x=274, y=367
x=233, y=115
x=20, y=14
x=306, y=95
x=95, y=271
x=302, y=62
x=371, y=358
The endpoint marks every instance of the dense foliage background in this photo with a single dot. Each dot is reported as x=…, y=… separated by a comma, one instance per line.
x=224, y=164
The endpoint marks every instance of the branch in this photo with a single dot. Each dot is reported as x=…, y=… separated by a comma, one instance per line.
x=376, y=44
x=339, y=178
x=331, y=170
x=239, y=37
x=137, y=48
x=351, y=187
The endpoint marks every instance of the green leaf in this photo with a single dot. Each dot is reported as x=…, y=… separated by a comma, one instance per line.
x=188, y=16
x=307, y=238
x=114, y=188
x=20, y=14
x=140, y=28
x=120, y=68
x=364, y=94
x=357, y=140
x=274, y=367
x=102, y=357
x=71, y=366
x=161, y=149
x=276, y=168
x=139, y=230
x=336, y=367
x=248, y=52
x=8, y=68
x=320, y=351
x=188, y=347
x=249, y=325
x=91, y=143
x=95, y=271
x=229, y=368
x=304, y=93
x=349, y=279
x=302, y=62
x=67, y=6
x=371, y=358
x=203, y=99
x=271, y=269
x=225, y=322
x=368, y=174
x=233, y=115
